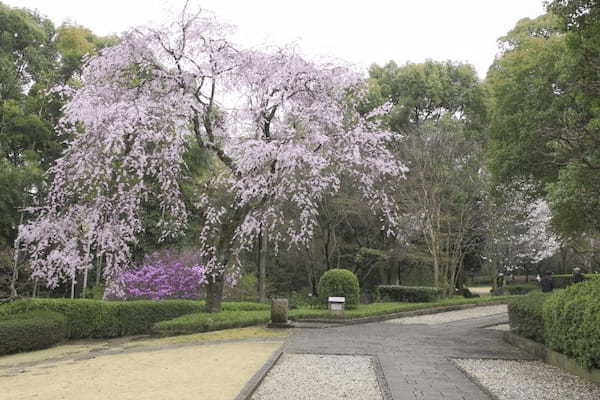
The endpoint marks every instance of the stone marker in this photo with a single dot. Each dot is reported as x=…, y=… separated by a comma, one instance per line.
x=279, y=314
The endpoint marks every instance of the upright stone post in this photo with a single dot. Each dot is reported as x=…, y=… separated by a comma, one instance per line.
x=279, y=314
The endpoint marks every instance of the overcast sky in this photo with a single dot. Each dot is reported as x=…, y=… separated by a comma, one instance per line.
x=360, y=32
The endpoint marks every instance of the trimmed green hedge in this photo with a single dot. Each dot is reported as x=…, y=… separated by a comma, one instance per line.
x=339, y=283
x=572, y=322
x=411, y=294
x=567, y=321
x=105, y=319
x=526, y=317
x=87, y=318
x=521, y=288
x=204, y=322
x=30, y=331
x=564, y=280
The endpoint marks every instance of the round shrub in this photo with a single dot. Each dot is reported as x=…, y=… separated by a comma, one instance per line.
x=340, y=283
x=572, y=322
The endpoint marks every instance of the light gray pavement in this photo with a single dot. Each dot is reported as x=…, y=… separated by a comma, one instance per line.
x=416, y=359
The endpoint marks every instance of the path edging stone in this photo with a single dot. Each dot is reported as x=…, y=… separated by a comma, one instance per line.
x=251, y=386
x=552, y=357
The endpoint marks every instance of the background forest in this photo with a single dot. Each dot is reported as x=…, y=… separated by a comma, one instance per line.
x=502, y=173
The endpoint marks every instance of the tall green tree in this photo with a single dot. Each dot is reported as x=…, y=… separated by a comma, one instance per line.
x=34, y=57
x=545, y=125
x=427, y=92
x=74, y=43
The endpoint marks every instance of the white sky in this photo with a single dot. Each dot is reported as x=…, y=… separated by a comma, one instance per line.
x=360, y=32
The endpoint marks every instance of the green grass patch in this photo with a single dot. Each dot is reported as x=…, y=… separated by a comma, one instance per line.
x=226, y=334
x=204, y=322
x=376, y=309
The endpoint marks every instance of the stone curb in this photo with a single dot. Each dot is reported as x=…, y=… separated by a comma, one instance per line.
x=402, y=314
x=251, y=386
x=384, y=387
x=552, y=357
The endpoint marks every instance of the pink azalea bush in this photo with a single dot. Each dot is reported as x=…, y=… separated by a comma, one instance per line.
x=161, y=277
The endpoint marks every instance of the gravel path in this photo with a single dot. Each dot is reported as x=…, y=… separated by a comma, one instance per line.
x=524, y=380
x=320, y=377
x=451, y=316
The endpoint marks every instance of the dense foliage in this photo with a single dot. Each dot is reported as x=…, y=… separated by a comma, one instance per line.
x=572, y=322
x=339, y=282
x=545, y=118
x=525, y=315
x=30, y=331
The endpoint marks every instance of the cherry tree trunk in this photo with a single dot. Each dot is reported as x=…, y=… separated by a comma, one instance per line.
x=262, y=268
x=214, y=293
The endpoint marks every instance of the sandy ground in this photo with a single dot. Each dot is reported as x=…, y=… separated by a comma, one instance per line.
x=192, y=367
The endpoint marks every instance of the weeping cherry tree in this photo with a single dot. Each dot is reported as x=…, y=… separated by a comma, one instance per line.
x=282, y=130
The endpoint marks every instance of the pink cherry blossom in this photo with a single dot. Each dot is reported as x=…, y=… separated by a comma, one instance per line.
x=286, y=131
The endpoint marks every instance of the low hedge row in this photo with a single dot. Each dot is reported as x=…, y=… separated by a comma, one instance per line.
x=521, y=289
x=86, y=318
x=572, y=322
x=562, y=281
x=204, y=322
x=567, y=321
x=526, y=317
x=30, y=331
x=411, y=294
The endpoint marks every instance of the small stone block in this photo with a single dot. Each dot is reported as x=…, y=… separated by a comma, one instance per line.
x=279, y=311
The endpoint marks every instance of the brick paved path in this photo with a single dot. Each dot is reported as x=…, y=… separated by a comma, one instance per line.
x=416, y=359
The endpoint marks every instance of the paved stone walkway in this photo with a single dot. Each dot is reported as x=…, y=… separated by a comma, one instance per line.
x=416, y=359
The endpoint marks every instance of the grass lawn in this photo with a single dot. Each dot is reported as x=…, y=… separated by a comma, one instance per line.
x=375, y=309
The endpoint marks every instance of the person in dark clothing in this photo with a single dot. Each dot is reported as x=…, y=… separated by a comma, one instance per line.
x=500, y=280
x=577, y=276
x=546, y=282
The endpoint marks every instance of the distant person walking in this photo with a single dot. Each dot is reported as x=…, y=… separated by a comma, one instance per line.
x=500, y=280
x=577, y=276
x=546, y=282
